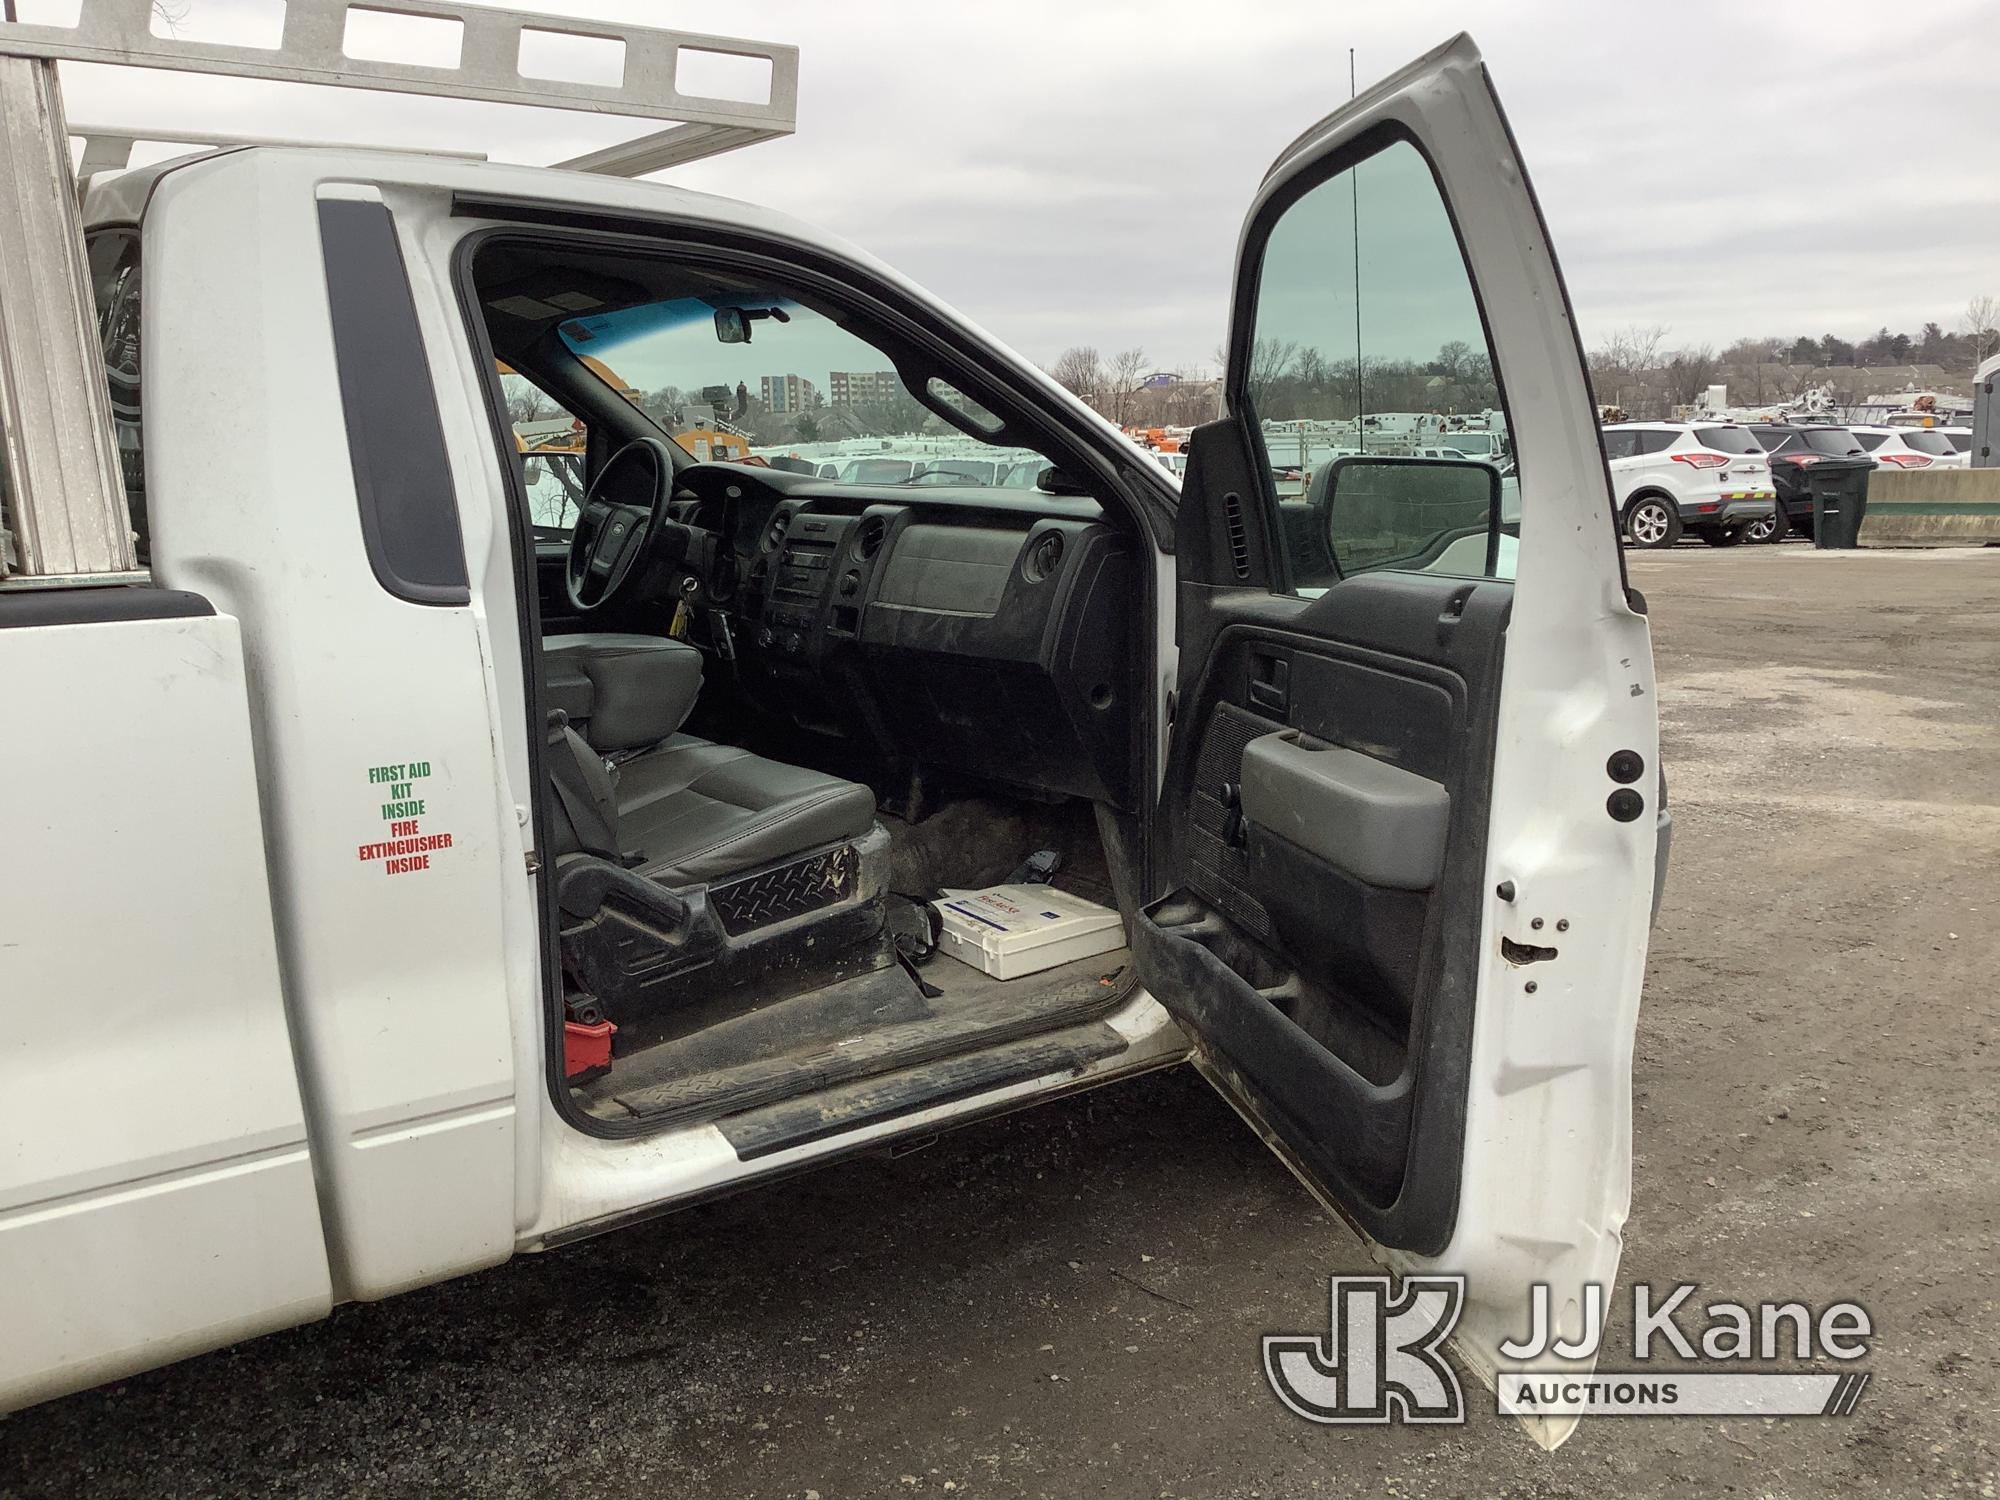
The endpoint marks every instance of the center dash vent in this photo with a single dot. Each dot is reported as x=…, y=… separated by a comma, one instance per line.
x=1239, y=538
x=868, y=541
x=774, y=538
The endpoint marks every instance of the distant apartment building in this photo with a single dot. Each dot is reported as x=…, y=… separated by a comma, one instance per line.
x=861, y=387
x=781, y=393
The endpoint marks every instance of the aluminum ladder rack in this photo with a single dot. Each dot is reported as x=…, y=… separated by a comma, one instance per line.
x=62, y=504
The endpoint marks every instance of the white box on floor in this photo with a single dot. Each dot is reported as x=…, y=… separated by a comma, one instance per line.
x=1011, y=930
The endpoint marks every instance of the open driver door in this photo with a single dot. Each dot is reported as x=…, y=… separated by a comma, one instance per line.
x=1409, y=813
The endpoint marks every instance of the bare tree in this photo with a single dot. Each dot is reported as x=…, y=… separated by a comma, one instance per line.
x=1631, y=350
x=1079, y=370
x=1271, y=359
x=1454, y=359
x=1122, y=380
x=1619, y=364
x=1690, y=372
x=527, y=404
x=1762, y=360
x=1752, y=351
x=1981, y=324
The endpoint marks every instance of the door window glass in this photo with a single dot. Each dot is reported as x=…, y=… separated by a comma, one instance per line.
x=114, y=285
x=1367, y=343
x=1621, y=444
x=551, y=442
x=1657, y=442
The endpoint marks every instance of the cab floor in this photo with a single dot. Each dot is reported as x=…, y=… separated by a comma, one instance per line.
x=868, y=1025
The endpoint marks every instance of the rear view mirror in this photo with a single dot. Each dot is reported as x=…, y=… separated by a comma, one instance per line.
x=1434, y=515
x=732, y=324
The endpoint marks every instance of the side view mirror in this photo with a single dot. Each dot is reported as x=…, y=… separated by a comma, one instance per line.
x=1054, y=481
x=532, y=472
x=1432, y=514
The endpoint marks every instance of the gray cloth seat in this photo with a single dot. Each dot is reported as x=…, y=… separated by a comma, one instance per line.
x=688, y=811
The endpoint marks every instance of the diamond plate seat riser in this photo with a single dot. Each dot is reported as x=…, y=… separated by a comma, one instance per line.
x=788, y=891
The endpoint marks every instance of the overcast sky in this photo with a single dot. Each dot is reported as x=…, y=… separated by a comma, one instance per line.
x=1074, y=171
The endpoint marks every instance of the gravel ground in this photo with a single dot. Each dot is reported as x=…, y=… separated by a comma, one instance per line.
x=1068, y=1303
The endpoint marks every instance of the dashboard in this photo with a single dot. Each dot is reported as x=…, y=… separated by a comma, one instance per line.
x=981, y=630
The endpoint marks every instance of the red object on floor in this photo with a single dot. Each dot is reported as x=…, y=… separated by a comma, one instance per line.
x=586, y=1049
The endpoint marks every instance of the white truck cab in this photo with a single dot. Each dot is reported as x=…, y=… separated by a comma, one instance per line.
x=398, y=878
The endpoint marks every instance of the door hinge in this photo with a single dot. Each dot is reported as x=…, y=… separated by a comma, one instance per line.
x=534, y=861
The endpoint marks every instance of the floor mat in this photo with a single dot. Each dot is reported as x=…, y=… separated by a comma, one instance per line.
x=974, y=842
x=871, y=1024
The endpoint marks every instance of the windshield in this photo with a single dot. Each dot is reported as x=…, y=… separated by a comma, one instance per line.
x=762, y=377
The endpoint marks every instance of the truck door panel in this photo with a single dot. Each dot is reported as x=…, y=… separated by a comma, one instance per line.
x=1406, y=853
x=404, y=898
x=1345, y=874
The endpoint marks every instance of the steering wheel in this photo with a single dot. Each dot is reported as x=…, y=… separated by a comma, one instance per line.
x=612, y=536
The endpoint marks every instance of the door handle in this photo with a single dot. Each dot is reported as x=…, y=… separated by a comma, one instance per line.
x=1270, y=682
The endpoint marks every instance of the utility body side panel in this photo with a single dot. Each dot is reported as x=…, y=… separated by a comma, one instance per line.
x=156, y=1188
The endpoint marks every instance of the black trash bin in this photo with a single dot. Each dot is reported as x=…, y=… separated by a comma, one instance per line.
x=1839, y=501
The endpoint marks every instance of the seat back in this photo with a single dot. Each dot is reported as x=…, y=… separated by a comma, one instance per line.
x=621, y=691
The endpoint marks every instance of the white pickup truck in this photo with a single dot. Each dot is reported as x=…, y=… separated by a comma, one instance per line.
x=393, y=882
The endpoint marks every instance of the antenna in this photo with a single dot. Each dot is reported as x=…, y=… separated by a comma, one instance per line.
x=1354, y=202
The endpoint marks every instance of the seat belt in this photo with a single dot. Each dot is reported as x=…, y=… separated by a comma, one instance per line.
x=584, y=788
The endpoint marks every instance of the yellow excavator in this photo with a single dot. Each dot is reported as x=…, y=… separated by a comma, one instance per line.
x=720, y=443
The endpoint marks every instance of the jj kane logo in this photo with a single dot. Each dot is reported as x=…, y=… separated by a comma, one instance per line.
x=1381, y=1359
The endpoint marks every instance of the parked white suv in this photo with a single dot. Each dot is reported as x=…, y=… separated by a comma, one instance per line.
x=1711, y=478
x=1913, y=447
